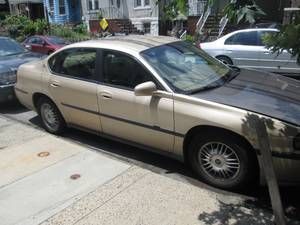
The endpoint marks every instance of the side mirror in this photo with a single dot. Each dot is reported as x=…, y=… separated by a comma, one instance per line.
x=145, y=89
x=44, y=43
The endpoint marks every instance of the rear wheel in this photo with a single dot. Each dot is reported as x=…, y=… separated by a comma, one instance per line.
x=225, y=60
x=52, y=119
x=222, y=161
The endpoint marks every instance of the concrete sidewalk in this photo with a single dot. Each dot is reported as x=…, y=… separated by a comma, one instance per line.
x=37, y=187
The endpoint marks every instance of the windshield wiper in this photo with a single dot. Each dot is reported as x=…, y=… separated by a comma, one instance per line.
x=232, y=73
x=208, y=87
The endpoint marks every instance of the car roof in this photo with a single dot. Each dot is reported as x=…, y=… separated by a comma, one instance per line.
x=135, y=43
x=256, y=29
x=245, y=30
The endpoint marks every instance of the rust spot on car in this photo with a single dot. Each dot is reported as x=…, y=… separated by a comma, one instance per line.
x=43, y=154
x=75, y=176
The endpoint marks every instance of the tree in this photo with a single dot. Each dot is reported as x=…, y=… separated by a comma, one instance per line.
x=239, y=11
x=173, y=8
x=288, y=38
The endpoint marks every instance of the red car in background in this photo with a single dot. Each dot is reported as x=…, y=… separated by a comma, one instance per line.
x=44, y=44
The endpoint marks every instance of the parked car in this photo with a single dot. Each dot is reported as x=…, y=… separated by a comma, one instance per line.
x=12, y=55
x=245, y=48
x=44, y=44
x=166, y=95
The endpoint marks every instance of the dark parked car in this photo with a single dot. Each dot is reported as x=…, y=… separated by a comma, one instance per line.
x=44, y=44
x=12, y=55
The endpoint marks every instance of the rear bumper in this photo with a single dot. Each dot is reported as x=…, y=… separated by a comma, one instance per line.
x=7, y=93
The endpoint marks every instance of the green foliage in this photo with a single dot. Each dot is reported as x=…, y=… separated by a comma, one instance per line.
x=20, y=27
x=173, y=8
x=3, y=15
x=287, y=39
x=80, y=28
x=239, y=11
x=190, y=38
x=72, y=34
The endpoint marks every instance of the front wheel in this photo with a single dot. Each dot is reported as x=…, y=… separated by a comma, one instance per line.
x=222, y=161
x=52, y=119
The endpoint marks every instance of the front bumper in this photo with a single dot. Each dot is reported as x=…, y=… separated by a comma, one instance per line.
x=287, y=170
x=286, y=166
x=7, y=93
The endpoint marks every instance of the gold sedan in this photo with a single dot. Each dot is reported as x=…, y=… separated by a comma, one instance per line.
x=166, y=95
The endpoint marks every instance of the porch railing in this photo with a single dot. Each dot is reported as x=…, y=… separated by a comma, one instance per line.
x=106, y=12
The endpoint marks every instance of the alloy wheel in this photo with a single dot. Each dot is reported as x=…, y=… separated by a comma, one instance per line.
x=219, y=161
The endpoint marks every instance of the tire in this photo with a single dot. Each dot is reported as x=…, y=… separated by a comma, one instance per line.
x=207, y=161
x=225, y=60
x=51, y=117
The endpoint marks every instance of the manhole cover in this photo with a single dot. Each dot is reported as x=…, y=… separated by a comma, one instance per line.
x=43, y=154
x=75, y=176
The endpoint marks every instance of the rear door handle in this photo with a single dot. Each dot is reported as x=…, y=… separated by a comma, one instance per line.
x=106, y=95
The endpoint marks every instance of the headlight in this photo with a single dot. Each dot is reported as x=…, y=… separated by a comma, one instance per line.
x=297, y=142
x=9, y=77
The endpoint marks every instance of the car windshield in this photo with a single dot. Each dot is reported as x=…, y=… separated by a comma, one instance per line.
x=186, y=68
x=56, y=40
x=10, y=47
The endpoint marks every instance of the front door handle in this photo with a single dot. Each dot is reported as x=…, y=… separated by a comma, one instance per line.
x=54, y=84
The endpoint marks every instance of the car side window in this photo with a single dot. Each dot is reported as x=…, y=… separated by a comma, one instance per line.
x=122, y=70
x=261, y=35
x=78, y=63
x=39, y=41
x=243, y=38
x=31, y=40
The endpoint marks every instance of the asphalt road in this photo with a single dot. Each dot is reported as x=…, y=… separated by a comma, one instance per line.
x=255, y=196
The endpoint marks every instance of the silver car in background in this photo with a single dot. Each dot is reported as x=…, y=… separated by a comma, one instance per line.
x=245, y=49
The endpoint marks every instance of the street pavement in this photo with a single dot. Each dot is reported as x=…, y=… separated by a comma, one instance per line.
x=82, y=179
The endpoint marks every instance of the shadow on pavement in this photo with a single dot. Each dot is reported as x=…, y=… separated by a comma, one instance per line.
x=238, y=214
x=13, y=107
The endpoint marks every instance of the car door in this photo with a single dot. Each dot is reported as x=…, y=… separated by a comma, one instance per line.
x=243, y=49
x=31, y=44
x=39, y=45
x=273, y=62
x=73, y=86
x=146, y=120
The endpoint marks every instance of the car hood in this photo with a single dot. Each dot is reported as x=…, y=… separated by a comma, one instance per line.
x=264, y=93
x=13, y=62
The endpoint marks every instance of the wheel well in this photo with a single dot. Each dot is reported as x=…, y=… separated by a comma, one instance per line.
x=224, y=56
x=216, y=130
x=37, y=96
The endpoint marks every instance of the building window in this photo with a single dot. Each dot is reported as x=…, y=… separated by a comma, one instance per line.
x=62, y=9
x=96, y=4
x=137, y=3
x=90, y=5
x=51, y=5
x=141, y=3
x=147, y=28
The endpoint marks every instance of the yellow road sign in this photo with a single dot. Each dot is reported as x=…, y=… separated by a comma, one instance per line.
x=103, y=24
